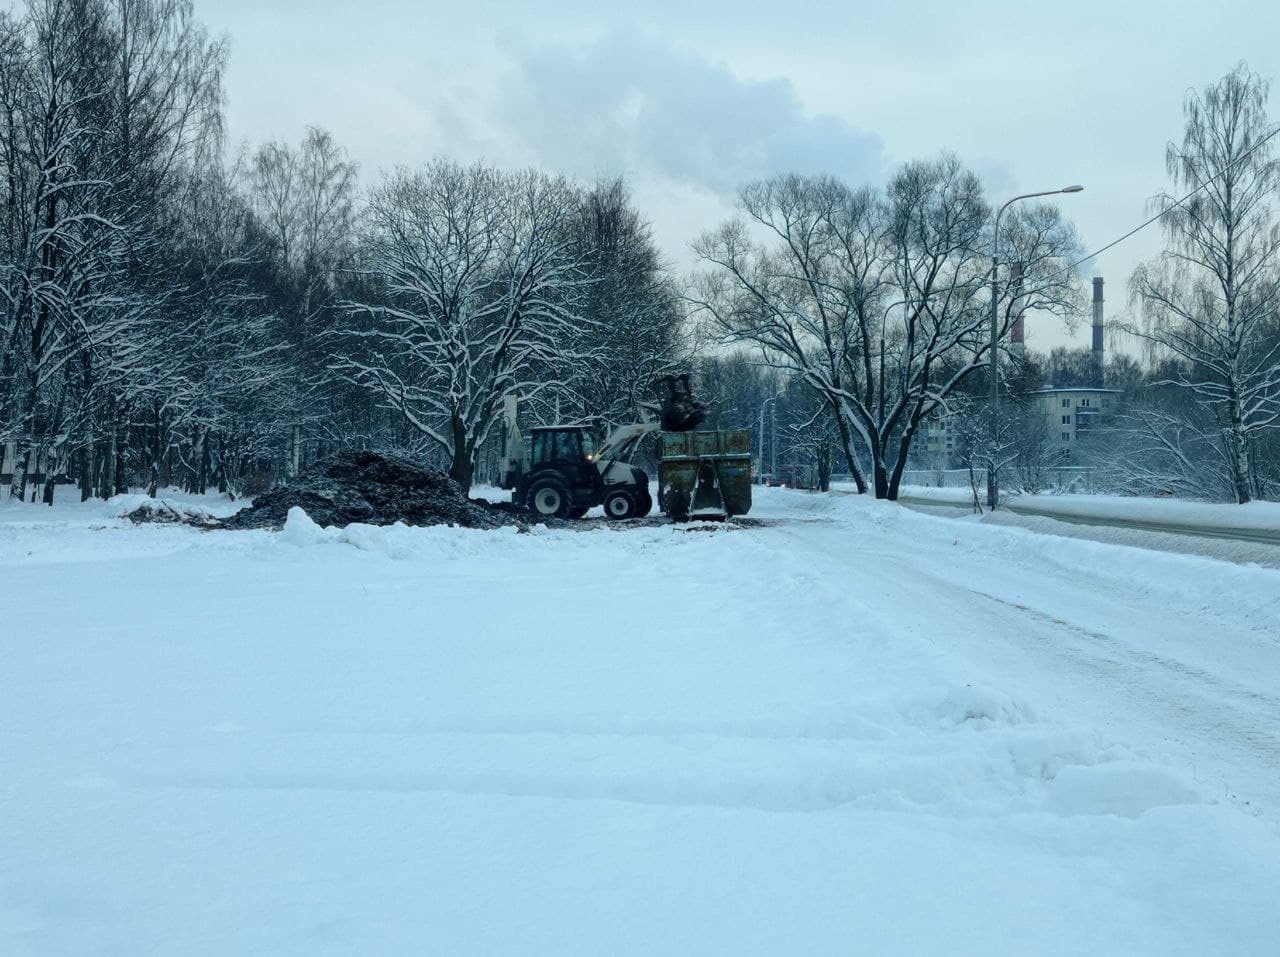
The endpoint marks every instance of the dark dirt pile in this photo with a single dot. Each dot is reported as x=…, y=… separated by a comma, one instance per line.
x=162, y=513
x=375, y=489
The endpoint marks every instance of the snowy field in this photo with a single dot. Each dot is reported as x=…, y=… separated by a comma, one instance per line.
x=856, y=729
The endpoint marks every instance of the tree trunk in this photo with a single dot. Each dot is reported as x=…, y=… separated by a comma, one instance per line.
x=86, y=471
x=1241, y=471
x=195, y=475
x=880, y=474
x=850, y=457
x=462, y=467
x=25, y=445
x=119, y=473
x=899, y=466
x=99, y=468
x=202, y=466
x=106, y=478
x=49, y=472
x=18, y=485
x=222, y=464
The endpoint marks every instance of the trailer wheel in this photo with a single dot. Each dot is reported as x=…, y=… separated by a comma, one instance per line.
x=550, y=498
x=619, y=505
x=676, y=504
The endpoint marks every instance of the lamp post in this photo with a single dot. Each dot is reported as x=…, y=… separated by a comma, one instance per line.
x=993, y=486
x=773, y=437
x=774, y=443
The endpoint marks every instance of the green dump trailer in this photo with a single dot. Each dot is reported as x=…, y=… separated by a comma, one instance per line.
x=705, y=474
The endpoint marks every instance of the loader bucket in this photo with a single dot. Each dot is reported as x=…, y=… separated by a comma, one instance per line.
x=705, y=474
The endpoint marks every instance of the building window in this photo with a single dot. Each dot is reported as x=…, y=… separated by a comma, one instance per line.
x=1084, y=403
x=1066, y=403
x=1066, y=420
x=1066, y=436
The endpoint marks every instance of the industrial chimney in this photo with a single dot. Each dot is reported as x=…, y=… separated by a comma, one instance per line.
x=1098, y=355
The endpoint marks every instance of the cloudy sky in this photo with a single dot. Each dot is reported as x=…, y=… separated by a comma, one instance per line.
x=689, y=99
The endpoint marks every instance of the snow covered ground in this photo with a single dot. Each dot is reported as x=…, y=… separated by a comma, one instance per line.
x=856, y=729
x=1076, y=519
x=1205, y=517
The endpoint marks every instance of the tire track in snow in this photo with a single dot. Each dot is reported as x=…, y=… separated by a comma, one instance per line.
x=1216, y=727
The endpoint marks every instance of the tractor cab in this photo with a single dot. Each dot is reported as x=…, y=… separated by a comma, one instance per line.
x=560, y=478
x=561, y=445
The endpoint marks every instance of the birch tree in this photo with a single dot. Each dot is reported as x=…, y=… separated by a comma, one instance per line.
x=59, y=245
x=1211, y=296
x=305, y=201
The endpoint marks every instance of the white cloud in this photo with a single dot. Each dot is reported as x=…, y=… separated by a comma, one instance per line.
x=633, y=103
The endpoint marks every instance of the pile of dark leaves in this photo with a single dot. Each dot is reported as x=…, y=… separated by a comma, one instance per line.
x=375, y=489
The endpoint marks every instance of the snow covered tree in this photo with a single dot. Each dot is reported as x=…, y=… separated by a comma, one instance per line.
x=633, y=328
x=1161, y=447
x=477, y=282
x=877, y=301
x=59, y=245
x=1210, y=299
x=106, y=107
x=305, y=201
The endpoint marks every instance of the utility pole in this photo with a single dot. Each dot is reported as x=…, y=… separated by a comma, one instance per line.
x=993, y=482
x=773, y=441
x=762, y=406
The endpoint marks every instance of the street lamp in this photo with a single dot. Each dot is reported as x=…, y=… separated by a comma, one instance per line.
x=993, y=488
x=774, y=444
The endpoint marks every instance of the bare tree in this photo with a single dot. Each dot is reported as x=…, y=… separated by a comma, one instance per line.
x=805, y=298
x=477, y=280
x=974, y=446
x=1152, y=450
x=1211, y=296
x=633, y=328
x=305, y=201
x=1035, y=452
x=56, y=254
x=877, y=302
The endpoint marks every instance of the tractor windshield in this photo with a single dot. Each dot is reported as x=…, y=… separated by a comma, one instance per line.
x=568, y=446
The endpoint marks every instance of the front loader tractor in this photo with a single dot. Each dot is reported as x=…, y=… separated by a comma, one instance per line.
x=565, y=475
x=559, y=472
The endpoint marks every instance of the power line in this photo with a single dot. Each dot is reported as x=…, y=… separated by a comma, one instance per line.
x=1141, y=226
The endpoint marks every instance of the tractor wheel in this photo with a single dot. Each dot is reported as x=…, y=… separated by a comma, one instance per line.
x=644, y=504
x=549, y=498
x=620, y=504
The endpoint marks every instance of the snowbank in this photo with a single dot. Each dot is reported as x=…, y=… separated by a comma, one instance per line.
x=1174, y=513
x=67, y=506
x=853, y=727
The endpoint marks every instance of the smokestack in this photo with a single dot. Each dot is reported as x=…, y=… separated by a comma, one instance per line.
x=1098, y=354
x=1018, y=334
